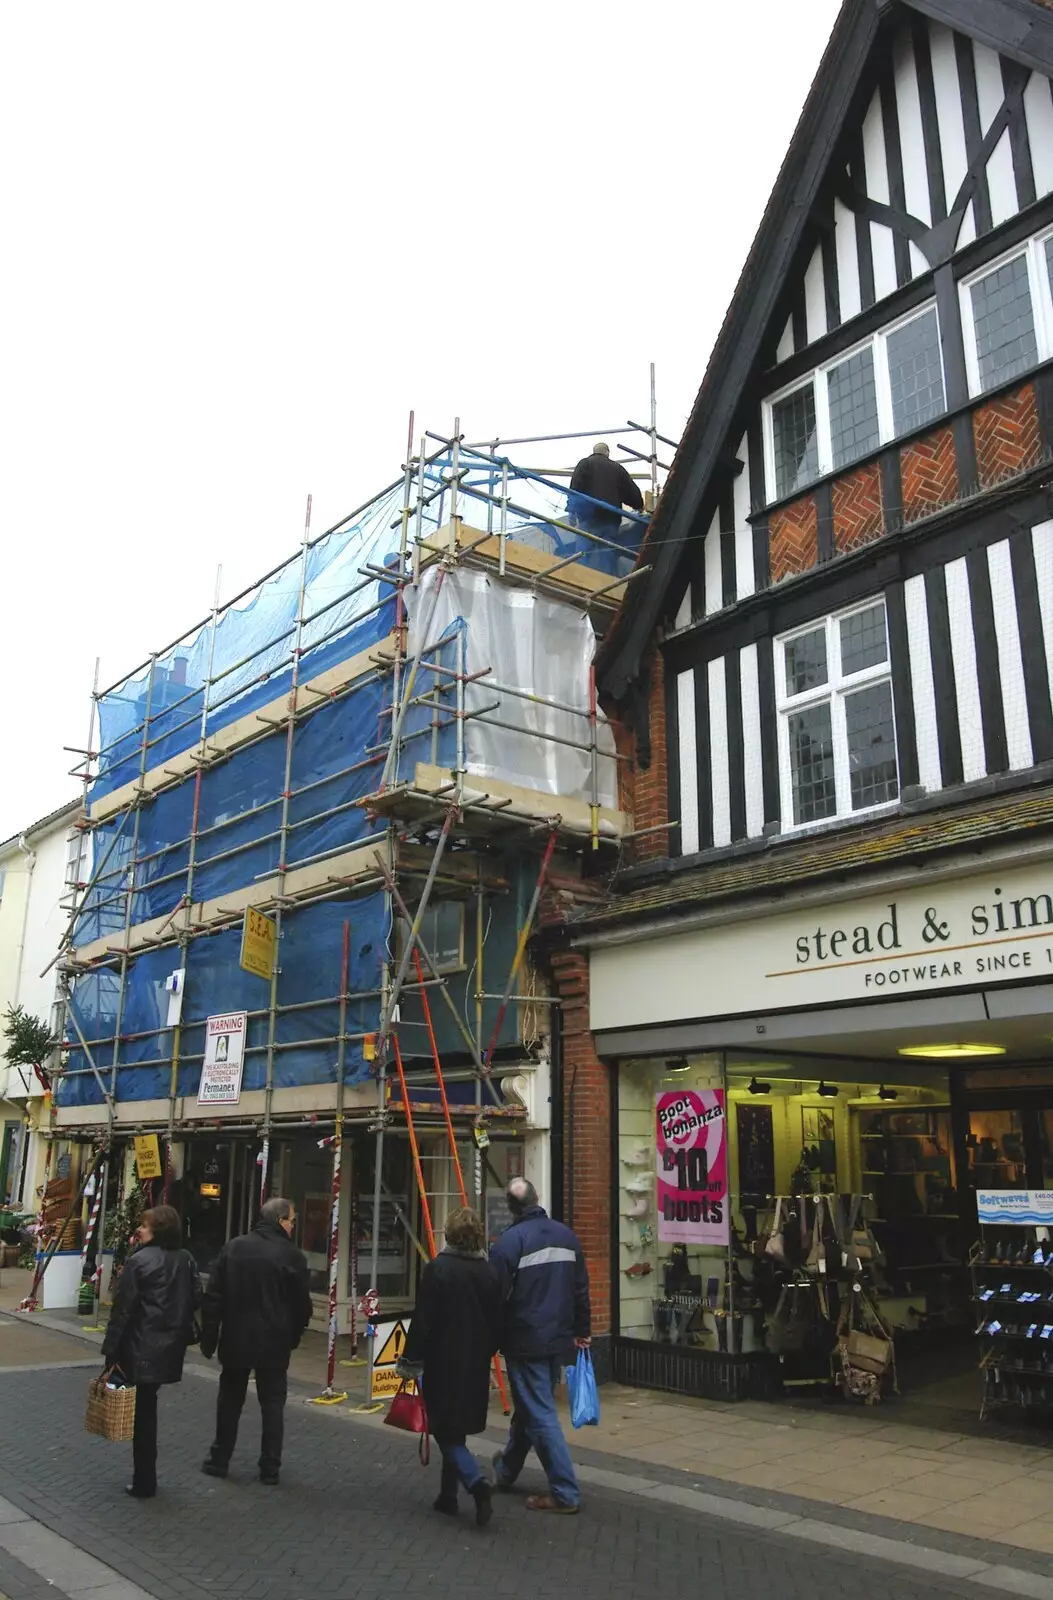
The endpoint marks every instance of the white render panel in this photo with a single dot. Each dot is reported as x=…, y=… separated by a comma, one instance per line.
x=923, y=690
x=883, y=250
x=718, y=753
x=1038, y=110
x=948, y=109
x=744, y=584
x=714, y=590
x=683, y=610
x=1042, y=542
x=876, y=181
x=1010, y=662
x=815, y=297
x=751, y=741
x=688, y=748
x=963, y=654
x=912, y=144
x=784, y=349
x=847, y=261
x=990, y=92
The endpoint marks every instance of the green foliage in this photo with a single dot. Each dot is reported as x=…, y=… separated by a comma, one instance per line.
x=122, y=1222
x=29, y=1041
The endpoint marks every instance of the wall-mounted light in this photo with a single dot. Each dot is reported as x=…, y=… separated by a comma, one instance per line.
x=753, y=1087
x=827, y=1090
x=887, y=1094
x=678, y=1064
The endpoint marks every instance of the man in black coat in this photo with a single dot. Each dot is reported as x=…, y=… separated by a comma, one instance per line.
x=255, y=1309
x=599, y=478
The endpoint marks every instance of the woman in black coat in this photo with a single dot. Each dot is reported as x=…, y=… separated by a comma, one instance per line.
x=455, y=1331
x=151, y=1324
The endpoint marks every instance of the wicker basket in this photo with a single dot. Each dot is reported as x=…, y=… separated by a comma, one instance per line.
x=111, y=1412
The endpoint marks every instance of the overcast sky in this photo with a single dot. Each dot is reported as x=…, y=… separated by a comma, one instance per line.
x=243, y=240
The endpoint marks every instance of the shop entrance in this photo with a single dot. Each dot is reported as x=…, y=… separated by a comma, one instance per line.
x=1008, y=1141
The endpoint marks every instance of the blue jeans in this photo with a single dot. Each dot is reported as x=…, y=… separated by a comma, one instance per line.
x=458, y=1466
x=535, y=1422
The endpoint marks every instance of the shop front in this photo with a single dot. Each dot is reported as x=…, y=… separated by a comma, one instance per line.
x=807, y=1104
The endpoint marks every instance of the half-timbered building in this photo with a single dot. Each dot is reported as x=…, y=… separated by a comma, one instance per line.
x=828, y=970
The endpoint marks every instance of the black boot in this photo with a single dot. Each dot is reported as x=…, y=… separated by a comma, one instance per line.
x=447, y=1504
x=484, y=1505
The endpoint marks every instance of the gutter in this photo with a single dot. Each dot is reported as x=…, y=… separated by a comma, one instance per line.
x=720, y=916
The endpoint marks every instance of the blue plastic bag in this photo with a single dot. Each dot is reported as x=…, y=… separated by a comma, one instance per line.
x=584, y=1396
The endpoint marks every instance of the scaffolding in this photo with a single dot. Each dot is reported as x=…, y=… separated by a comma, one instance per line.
x=351, y=736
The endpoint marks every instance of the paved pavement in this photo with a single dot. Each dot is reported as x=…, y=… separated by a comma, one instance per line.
x=352, y=1520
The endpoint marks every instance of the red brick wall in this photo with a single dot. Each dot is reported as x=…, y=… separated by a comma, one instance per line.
x=929, y=470
x=793, y=539
x=650, y=805
x=587, y=1132
x=1008, y=438
x=857, y=509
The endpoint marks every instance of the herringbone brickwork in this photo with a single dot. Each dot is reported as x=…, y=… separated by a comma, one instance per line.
x=794, y=539
x=1008, y=437
x=857, y=509
x=929, y=472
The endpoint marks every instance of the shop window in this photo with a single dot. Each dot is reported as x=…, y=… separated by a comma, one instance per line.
x=1007, y=313
x=837, y=737
x=848, y=408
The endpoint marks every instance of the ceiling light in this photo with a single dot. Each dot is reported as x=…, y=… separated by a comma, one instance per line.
x=678, y=1064
x=753, y=1087
x=827, y=1090
x=887, y=1094
x=951, y=1052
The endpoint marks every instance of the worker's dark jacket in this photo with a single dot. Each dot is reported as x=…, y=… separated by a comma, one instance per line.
x=152, y=1320
x=607, y=480
x=544, y=1281
x=455, y=1331
x=258, y=1300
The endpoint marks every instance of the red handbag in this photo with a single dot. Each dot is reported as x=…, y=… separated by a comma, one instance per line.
x=409, y=1413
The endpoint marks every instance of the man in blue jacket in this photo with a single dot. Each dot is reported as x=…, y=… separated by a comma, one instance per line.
x=541, y=1268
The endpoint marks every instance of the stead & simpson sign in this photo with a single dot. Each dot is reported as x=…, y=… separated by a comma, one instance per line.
x=960, y=933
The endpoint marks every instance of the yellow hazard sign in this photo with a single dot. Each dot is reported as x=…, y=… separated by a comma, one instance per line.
x=389, y=1341
x=259, y=940
x=147, y=1157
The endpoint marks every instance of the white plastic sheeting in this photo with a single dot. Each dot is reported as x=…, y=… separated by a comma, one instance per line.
x=541, y=646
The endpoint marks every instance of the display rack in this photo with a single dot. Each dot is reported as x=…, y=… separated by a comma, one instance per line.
x=1012, y=1274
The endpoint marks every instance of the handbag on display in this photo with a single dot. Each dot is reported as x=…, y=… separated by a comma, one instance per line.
x=408, y=1412
x=775, y=1246
x=111, y=1408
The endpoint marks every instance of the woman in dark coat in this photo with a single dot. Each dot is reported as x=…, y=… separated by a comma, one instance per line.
x=455, y=1331
x=151, y=1324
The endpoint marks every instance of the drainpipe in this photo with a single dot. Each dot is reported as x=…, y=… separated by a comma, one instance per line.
x=31, y=860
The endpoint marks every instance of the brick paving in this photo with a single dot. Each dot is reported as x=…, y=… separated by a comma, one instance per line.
x=353, y=1519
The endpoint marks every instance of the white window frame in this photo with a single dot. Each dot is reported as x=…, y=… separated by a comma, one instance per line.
x=878, y=344
x=1034, y=249
x=835, y=689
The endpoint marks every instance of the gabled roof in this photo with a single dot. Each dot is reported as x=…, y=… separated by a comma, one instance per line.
x=1019, y=29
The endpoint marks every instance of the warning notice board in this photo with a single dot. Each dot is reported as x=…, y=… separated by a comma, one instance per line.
x=259, y=940
x=388, y=1343
x=224, y=1058
x=147, y=1156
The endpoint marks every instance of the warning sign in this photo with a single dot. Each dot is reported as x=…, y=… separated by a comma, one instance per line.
x=387, y=1345
x=224, y=1058
x=259, y=940
x=147, y=1156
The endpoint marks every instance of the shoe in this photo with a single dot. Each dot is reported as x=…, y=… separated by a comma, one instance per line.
x=445, y=1504
x=139, y=1494
x=640, y=1156
x=500, y=1484
x=270, y=1479
x=548, y=1502
x=213, y=1468
x=636, y=1206
x=640, y=1184
x=639, y=1269
x=484, y=1505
